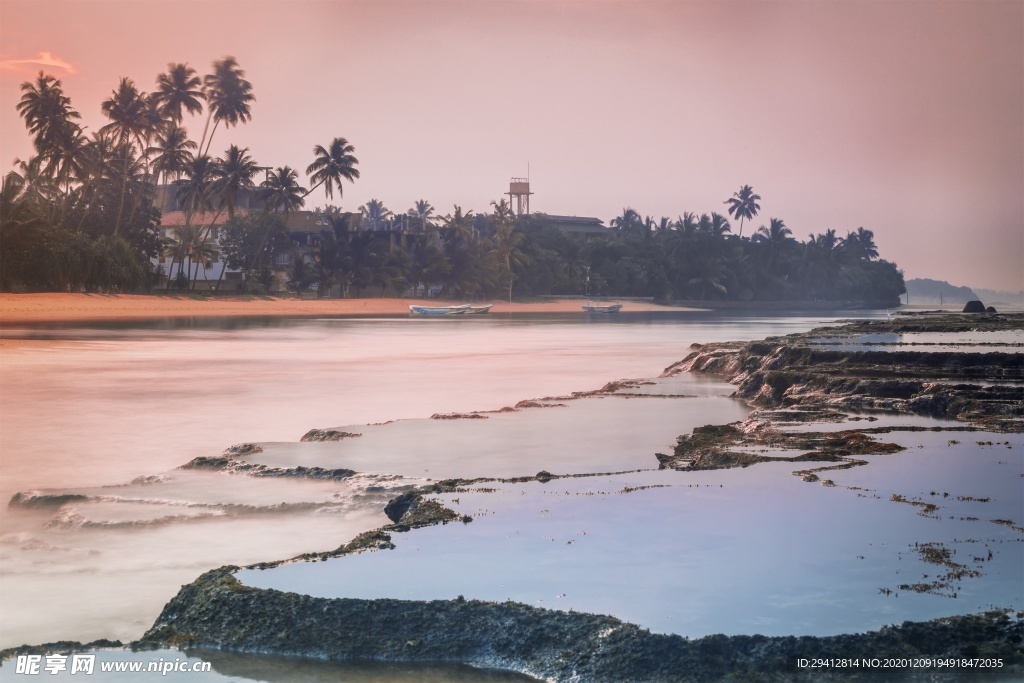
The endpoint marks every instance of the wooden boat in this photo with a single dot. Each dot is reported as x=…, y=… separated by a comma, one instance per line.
x=439, y=310
x=477, y=310
x=597, y=307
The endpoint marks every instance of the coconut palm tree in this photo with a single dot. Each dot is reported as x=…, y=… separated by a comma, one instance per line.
x=128, y=111
x=237, y=169
x=715, y=225
x=421, y=210
x=508, y=243
x=860, y=245
x=628, y=220
x=172, y=153
x=281, y=191
x=743, y=204
x=458, y=224
x=333, y=164
x=179, y=91
x=46, y=110
x=195, y=192
x=429, y=265
x=503, y=213
x=374, y=214
x=229, y=97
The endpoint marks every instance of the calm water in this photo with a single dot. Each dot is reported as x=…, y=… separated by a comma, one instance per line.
x=750, y=550
x=109, y=413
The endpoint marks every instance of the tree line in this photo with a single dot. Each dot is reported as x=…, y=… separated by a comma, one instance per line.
x=82, y=213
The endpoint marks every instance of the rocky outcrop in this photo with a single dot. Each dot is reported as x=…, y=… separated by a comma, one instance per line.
x=974, y=307
x=217, y=611
x=789, y=372
x=411, y=510
x=327, y=435
x=226, y=464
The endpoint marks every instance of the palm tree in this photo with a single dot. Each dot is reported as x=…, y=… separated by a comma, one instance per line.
x=421, y=210
x=503, y=213
x=173, y=152
x=282, y=193
x=458, y=224
x=332, y=165
x=508, y=244
x=374, y=214
x=194, y=194
x=743, y=204
x=775, y=237
x=98, y=166
x=428, y=266
x=860, y=245
x=127, y=110
x=46, y=110
x=228, y=96
x=629, y=219
x=237, y=169
x=716, y=224
x=178, y=91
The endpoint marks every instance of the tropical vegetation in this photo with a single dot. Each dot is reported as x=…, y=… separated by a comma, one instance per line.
x=83, y=214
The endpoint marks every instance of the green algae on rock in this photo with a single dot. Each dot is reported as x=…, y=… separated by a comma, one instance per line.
x=218, y=611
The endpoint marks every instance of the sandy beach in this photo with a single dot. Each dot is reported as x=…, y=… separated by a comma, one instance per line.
x=35, y=308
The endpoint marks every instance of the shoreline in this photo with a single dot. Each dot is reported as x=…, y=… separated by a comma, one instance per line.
x=21, y=309
x=211, y=610
x=218, y=611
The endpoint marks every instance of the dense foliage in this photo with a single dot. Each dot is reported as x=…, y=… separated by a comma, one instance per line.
x=694, y=258
x=81, y=215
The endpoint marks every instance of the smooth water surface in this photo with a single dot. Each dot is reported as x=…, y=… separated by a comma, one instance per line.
x=742, y=551
x=86, y=407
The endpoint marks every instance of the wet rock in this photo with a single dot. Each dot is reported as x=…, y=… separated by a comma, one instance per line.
x=412, y=509
x=259, y=470
x=458, y=416
x=243, y=449
x=974, y=307
x=400, y=505
x=327, y=435
x=788, y=373
x=991, y=309
x=36, y=499
x=217, y=611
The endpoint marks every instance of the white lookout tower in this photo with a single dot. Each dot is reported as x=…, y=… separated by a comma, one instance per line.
x=519, y=190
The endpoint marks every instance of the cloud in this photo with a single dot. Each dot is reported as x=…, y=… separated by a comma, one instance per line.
x=42, y=59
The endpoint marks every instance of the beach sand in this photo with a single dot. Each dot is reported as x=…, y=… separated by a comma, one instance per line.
x=38, y=308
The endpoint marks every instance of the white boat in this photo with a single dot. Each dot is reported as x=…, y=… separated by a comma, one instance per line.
x=477, y=310
x=439, y=310
x=598, y=307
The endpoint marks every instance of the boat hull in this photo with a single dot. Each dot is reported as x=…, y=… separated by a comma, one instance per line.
x=602, y=308
x=433, y=311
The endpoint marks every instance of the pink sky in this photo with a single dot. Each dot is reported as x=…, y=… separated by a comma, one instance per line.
x=906, y=118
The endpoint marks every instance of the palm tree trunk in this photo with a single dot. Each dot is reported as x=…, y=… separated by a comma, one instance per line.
x=210, y=141
x=124, y=185
x=206, y=126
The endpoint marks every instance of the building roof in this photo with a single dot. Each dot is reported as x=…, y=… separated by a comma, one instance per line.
x=579, y=224
x=296, y=221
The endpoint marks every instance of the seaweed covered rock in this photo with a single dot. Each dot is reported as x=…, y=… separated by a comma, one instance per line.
x=218, y=611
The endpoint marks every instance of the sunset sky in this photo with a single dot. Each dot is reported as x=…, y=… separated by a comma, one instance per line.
x=906, y=118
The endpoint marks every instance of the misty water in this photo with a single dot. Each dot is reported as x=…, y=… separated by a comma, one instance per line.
x=108, y=413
